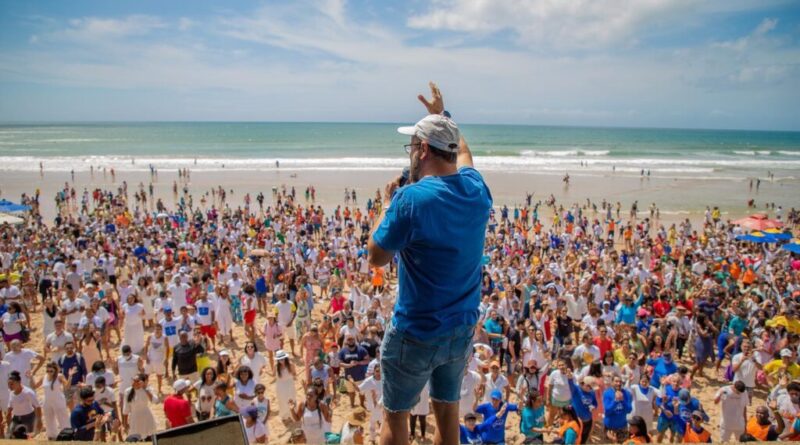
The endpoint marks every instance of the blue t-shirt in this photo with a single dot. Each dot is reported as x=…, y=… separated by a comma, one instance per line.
x=661, y=368
x=347, y=355
x=532, y=418
x=438, y=227
x=82, y=420
x=76, y=361
x=495, y=431
x=616, y=411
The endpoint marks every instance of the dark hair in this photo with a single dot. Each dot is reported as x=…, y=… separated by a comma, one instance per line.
x=570, y=411
x=596, y=369
x=641, y=426
x=793, y=386
x=14, y=376
x=86, y=392
x=132, y=393
x=98, y=365
x=100, y=380
x=242, y=369
x=448, y=156
x=203, y=374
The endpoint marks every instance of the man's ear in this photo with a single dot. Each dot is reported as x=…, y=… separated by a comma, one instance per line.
x=425, y=150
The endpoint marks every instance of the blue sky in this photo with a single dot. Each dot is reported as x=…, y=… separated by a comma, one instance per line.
x=659, y=63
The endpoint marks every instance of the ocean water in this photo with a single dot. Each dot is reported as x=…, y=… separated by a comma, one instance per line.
x=206, y=146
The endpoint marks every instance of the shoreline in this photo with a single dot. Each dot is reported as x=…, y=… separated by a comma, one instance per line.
x=676, y=199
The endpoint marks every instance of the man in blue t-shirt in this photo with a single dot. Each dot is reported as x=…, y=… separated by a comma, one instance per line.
x=662, y=367
x=87, y=417
x=436, y=226
x=495, y=432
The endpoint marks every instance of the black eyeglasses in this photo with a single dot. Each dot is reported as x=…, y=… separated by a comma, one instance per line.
x=407, y=147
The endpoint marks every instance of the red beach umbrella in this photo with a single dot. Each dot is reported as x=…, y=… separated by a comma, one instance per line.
x=758, y=221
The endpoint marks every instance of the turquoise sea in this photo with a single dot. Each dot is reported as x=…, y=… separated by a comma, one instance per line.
x=712, y=154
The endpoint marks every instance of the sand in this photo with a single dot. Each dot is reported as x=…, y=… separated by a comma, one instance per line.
x=676, y=198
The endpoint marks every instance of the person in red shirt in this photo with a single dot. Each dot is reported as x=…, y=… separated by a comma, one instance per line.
x=603, y=341
x=177, y=409
x=661, y=307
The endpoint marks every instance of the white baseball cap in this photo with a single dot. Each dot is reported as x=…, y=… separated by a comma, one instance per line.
x=438, y=130
x=181, y=385
x=786, y=353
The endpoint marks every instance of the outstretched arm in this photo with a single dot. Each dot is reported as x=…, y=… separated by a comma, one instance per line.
x=436, y=106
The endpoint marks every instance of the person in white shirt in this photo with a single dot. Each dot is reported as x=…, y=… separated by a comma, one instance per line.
x=54, y=343
x=286, y=311
x=205, y=316
x=170, y=326
x=372, y=391
x=745, y=367
x=255, y=430
x=586, y=353
x=23, y=405
x=558, y=389
x=21, y=360
x=72, y=308
x=494, y=380
x=734, y=401
x=469, y=385
x=177, y=291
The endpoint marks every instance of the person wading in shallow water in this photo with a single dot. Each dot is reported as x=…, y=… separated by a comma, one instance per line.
x=436, y=224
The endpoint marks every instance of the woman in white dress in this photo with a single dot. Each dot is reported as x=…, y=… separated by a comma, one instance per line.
x=56, y=413
x=253, y=360
x=284, y=384
x=244, y=388
x=136, y=405
x=133, y=314
x=314, y=416
x=147, y=295
x=223, y=315
x=155, y=354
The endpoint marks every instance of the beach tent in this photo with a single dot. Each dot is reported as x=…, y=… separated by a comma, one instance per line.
x=10, y=219
x=758, y=221
x=10, y=207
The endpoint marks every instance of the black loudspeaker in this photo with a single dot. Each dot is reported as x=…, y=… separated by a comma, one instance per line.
x=223, y=430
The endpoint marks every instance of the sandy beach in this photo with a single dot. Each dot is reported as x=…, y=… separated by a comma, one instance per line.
x=676, y=199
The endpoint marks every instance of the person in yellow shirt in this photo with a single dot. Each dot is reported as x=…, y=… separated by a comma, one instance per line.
x=784, y=364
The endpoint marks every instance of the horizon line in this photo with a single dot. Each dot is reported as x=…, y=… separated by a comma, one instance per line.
x=467, y=123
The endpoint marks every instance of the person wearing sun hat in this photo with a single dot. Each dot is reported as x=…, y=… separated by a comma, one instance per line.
x=353, y=429
x=436, y=225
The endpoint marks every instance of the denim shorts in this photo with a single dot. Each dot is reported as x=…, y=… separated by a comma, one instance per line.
x=408, y=363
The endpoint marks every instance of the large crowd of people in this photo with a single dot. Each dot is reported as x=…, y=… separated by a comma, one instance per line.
x=593, y=329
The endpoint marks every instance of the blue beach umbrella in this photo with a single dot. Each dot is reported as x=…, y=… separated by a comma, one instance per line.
x=754, y=238
x=793, y=247
x=10, y=207
x=778, y=234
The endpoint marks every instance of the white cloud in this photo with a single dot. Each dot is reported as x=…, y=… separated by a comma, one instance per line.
x=553, y=23
x=333, y=67
x=89, y=28
x=185, y=23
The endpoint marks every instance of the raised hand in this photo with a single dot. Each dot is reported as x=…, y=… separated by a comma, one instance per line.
x=436, y=104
